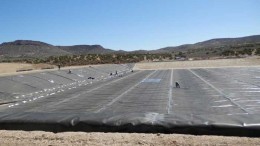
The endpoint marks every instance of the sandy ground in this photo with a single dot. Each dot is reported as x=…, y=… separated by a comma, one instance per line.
x=22, y=138
x=7, y=69
x=250, y=61
x=12, y=68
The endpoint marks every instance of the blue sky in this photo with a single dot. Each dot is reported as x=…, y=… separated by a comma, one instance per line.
x=127, y=24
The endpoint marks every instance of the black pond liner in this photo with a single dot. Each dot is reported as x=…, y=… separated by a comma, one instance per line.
x=132, y=123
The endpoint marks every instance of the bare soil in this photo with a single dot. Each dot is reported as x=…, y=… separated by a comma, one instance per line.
x=8, y=69
x=241, y=62
x=12, y=68
x=22, y=138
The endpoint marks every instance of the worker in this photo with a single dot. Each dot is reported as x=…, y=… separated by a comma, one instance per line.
x=177, y=85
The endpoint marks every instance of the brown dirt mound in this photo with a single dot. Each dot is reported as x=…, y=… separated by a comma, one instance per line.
x=9, y=138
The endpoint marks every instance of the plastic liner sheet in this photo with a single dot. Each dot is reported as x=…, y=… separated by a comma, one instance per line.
x=246, y=125
x=20, y=87
x=209, y=101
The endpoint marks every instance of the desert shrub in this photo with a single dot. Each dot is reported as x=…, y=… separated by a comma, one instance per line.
x=87, y=59
x=257, y=51
x=228, y=53
x=245, y=52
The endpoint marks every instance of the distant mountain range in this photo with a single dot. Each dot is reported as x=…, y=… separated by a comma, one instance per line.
x=28, y=48
x=216, y=43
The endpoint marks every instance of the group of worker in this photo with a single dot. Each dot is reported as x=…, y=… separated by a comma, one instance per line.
x=177, y=85
x=117, y=73
x=69, y=72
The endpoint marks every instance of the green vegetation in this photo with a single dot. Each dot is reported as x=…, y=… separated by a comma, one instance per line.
x=181, y=54
x=237, y=53
x=228, y=53
x=257, y=51
x=245, y=52
x=69, y=60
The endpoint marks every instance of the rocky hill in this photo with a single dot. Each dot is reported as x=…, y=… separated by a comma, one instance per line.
x=86, y=49
x=37, y=49
x=215, y=43
x=26, y=48
x=249, y=45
